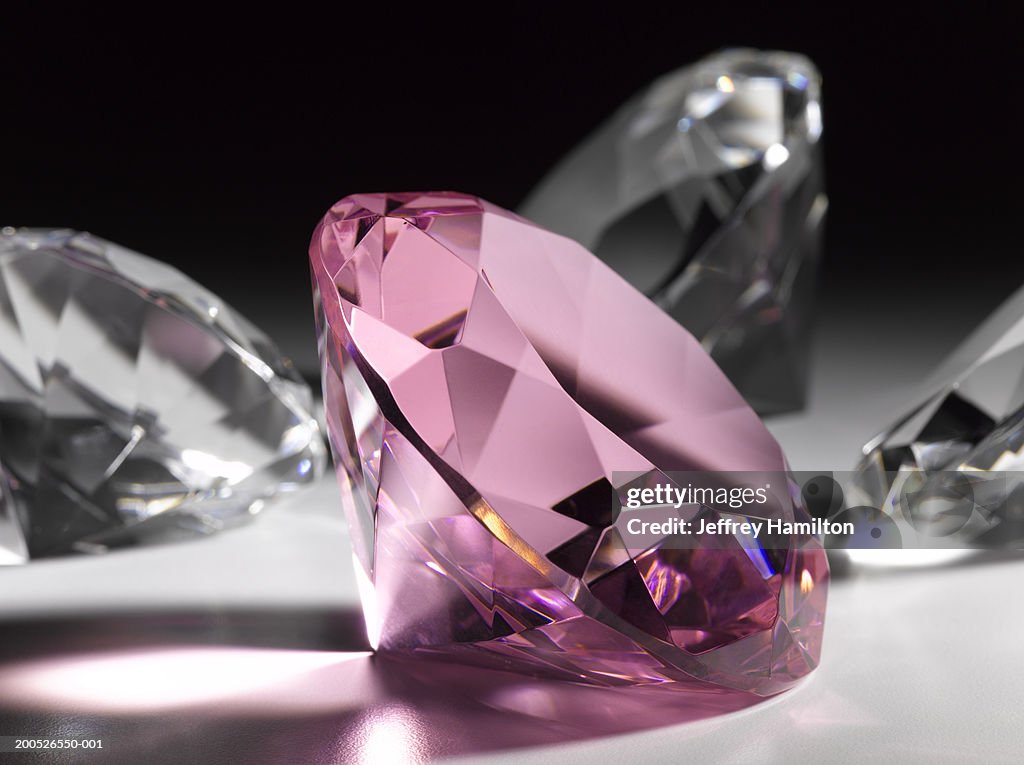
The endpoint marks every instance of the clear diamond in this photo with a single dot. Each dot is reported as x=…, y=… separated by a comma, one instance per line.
x=952, y=466
x=12, y=541
x=706, y=192
x=486, y=384
x=134, y=404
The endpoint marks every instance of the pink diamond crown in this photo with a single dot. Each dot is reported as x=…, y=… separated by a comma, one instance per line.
x=487, y=383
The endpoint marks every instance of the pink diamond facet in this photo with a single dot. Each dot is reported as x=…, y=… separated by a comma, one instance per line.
x=485, y=382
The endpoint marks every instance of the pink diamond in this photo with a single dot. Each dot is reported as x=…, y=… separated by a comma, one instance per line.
x=487, y=383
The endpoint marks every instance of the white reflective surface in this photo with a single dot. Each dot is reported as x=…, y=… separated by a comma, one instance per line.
x=920, y=664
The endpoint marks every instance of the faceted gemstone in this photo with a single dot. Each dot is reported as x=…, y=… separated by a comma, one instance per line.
x=951, y=466
x=12, y=541
x=134, y=404
x=706, y=192
x=485, y=382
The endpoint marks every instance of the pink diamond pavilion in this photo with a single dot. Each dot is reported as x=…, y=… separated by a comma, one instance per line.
x=485, y=381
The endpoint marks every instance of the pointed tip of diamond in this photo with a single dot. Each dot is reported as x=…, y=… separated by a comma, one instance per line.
x=959, y=442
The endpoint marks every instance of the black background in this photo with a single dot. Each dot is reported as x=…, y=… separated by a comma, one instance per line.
x=216, y=142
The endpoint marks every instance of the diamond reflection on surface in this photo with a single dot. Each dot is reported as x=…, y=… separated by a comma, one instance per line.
x=295, y=702
x=157, y=680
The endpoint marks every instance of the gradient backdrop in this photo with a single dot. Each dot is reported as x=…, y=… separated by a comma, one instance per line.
x=215, y=143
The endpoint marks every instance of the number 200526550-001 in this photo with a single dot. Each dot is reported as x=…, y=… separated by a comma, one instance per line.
x=25, y=743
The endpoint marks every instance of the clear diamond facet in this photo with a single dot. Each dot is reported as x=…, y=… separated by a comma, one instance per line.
x=706, y=192
x=12, y=540
x=134, y=404
x=485, y=381
x=952, y=466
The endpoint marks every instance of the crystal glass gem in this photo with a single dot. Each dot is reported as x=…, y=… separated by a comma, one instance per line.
x=706, y=192
x=952, y=466
x=484, y=381
x=12, y=541
x=134, y=404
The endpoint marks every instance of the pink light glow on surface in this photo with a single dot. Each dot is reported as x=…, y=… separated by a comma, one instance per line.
x=155, y=680
x=287, y=705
